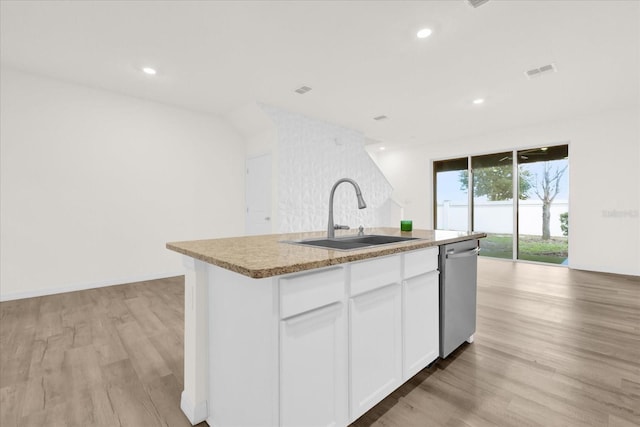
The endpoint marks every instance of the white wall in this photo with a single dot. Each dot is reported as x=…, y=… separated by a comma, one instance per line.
x=93, y=184
x=604, y=154
x=312, y=155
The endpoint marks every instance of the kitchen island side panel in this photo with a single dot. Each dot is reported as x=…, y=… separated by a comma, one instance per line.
x=194, y=400
x=243, y=350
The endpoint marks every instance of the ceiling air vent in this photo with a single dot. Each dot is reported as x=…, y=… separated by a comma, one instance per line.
x=477, y=3
x=378, y=118
x=302, y=90
x=537, y=72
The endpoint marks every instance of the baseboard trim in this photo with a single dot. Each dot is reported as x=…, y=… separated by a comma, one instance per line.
x=91, y=285
x=195, y=413
x=607, y=270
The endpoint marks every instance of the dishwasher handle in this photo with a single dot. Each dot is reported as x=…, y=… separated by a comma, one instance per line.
x=472, y=252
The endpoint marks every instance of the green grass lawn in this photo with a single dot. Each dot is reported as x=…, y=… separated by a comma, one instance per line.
x=532, y=248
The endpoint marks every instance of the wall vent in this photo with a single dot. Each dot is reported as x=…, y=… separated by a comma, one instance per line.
x=302, y=90
x=477, y=3
x=383, y=117
x=537, y=72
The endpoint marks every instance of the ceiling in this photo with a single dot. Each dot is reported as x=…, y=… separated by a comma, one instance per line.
x=362, y=59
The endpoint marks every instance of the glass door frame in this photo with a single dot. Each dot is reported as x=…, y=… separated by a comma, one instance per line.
x=516, y=203
x=515, y=193
x=470, y=217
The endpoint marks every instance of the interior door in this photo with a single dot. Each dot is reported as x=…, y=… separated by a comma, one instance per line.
x=258, y=195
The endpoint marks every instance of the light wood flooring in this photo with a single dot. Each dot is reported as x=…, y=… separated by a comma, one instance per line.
x=554, y=347
x=102, y=357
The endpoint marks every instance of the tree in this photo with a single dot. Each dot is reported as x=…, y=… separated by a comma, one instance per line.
x=564, y=223
x=496, y=182
x=547, y=189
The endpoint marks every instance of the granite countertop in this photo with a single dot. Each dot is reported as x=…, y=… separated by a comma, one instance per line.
x=268, y=255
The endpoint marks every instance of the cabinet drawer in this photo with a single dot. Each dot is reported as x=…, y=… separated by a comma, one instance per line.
x=420, y=262
x=369, y=275
x=304, y=292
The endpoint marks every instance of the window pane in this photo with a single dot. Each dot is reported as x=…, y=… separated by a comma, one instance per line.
x=493, y=203
x=543, y=209
x=452, y=203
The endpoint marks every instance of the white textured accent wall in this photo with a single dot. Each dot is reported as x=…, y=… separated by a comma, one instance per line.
x=312, y=156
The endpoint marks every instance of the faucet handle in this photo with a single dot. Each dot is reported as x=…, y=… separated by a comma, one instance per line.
x=361, y=231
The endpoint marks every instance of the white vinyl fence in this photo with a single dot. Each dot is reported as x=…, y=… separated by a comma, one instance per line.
x=497, y=217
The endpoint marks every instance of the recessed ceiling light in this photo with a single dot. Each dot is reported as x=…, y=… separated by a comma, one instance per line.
x=150, y=71
x=378, y=118
x=424, y=33
x=382, y=148
x=478, y=101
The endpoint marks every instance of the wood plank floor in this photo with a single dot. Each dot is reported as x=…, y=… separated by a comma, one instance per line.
x=554, y=347
x=102, y=357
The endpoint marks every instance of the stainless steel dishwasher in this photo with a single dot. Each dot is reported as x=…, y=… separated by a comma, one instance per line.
x=458, y=282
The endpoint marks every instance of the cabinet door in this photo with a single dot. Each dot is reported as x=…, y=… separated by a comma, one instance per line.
x=421, y=320
x=313, y=368
x=376, y=347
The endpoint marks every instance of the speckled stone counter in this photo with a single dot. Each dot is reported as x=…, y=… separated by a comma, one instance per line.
x=269, y=255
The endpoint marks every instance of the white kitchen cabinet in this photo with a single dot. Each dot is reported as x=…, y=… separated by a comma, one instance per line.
x=420, y=294
x=420, y=262
x=376, y=346
x=313, y=368
x=315, y=347
x=313, y=374
x=421, y=319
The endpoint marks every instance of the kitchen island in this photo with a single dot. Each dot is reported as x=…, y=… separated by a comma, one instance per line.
x=278, y=334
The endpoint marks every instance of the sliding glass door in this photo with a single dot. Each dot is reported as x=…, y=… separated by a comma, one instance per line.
x=492, y=177
x=519, y=198
x=451, y=199
x=543, y=211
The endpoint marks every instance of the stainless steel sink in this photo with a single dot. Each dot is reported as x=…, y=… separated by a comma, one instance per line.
x=353, y=242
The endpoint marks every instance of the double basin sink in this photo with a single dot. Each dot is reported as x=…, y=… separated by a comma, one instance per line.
x=349, y=243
